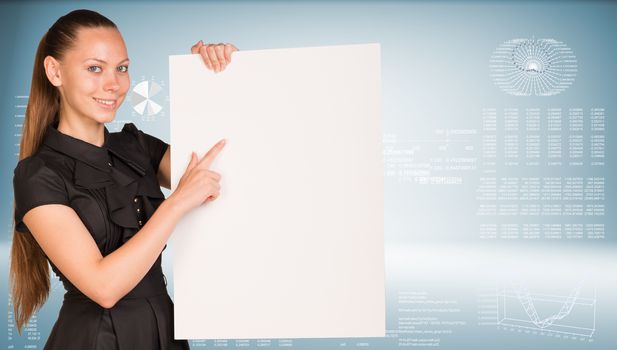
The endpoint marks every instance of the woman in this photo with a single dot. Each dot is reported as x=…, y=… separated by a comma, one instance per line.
x=90, y=202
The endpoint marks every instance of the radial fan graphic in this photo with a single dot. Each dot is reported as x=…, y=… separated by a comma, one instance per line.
x=540, y=67
x=141, y=98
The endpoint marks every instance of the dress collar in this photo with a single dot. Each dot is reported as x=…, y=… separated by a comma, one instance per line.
x=92, y=155
x=83, y=151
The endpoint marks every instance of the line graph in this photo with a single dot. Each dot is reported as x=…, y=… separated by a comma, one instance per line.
x=573, y=313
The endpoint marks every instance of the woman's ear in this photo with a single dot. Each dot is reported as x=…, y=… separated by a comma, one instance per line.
x=52, y=70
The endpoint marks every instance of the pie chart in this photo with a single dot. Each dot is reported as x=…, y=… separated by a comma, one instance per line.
x=142, y=96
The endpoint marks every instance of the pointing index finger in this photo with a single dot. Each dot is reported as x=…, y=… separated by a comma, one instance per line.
x=211, y=154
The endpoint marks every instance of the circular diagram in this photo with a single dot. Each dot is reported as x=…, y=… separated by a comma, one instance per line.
x=540, y=67
x=141, y=98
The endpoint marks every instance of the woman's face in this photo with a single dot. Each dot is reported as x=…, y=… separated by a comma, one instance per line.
x=94, y=76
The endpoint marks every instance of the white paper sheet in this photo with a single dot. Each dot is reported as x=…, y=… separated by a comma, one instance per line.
x=294, y=246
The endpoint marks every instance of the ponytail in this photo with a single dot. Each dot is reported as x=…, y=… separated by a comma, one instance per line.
x=29, y=271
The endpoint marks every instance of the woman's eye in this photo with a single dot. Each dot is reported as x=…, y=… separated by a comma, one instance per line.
x=94, y=69
x=123, y=69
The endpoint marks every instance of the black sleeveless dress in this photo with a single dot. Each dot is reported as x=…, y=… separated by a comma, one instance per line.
x=114, y=190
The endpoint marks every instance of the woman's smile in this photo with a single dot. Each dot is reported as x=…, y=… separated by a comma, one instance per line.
x=106, y=104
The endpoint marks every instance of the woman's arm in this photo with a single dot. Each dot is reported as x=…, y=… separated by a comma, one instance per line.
x=164, y=172
x=105, y=280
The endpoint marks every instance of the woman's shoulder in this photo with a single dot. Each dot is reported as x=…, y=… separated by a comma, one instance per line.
x=129, y=134
x=30, y=165
x=42, y=162
x=153, y=146
x=130, y=130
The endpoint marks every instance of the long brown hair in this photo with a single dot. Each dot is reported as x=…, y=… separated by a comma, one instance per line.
x=29, y=271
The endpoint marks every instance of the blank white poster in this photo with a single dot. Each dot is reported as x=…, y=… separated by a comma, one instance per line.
x=294, y=245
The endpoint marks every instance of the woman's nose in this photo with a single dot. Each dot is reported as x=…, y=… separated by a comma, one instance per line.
x=111, y=83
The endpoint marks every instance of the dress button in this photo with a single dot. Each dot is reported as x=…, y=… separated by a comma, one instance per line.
x=140, y=223
x=135, y=200
x=138, y=210
x=109, y=163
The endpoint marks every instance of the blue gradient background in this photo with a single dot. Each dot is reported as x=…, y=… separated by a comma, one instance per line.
x=435, y=75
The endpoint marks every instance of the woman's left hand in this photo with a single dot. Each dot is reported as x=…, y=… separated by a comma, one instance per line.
x=216, y=56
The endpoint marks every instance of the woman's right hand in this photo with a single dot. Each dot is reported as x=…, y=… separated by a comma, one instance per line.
x=199, y=184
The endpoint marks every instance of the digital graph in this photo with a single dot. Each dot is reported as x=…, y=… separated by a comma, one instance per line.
x=142, y=98
x=538, y=67
x=573, y=313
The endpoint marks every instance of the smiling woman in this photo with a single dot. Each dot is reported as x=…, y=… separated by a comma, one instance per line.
x=89, y=203
x=93, y=80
